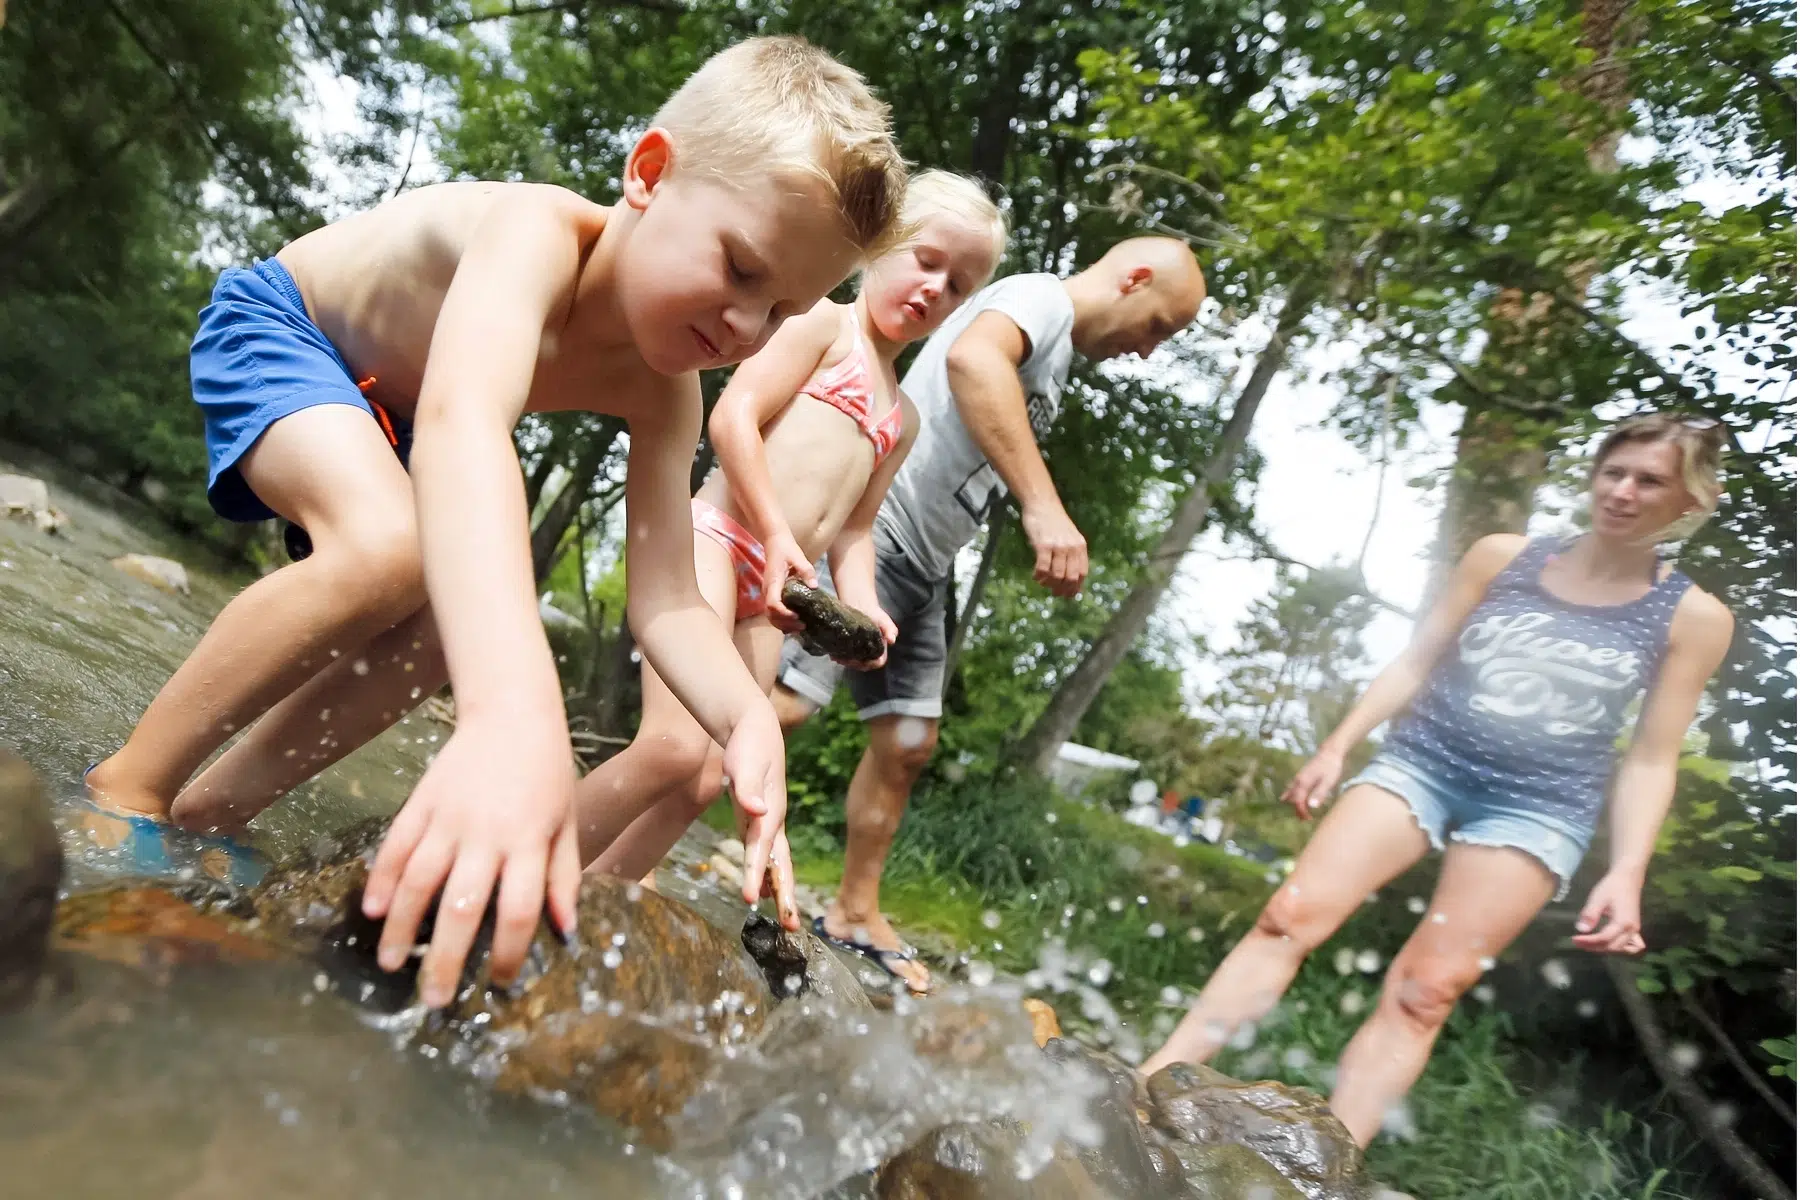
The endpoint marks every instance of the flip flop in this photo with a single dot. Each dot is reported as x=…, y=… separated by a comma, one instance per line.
x=875, y=954
x=152, y=847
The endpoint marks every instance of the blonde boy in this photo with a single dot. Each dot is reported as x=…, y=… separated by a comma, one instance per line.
x=430, y=323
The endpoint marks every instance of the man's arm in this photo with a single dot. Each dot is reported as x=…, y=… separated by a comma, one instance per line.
x=495, y=806
x=983, y=368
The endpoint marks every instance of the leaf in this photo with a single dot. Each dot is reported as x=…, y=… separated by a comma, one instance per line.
x=1741, y=874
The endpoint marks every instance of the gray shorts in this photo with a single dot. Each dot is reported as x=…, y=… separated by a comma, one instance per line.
x=912, y=682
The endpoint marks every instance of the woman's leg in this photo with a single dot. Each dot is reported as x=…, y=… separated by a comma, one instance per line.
x=668, y=750
x=1485, y=897
x=1367, y=838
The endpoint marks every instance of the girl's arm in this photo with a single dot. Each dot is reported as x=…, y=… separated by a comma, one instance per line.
x=759, y=390
x=852, y=553
x=1400, y=681
x=1644, y=784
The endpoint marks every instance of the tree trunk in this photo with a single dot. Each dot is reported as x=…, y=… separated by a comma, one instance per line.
x=1503, y=447
x=1750, y=1169
x=561, y=512
x=1076, y=693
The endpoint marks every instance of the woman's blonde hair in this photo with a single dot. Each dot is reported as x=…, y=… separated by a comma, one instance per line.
x=1699, y=441
x=932, y=192
x=780, y=105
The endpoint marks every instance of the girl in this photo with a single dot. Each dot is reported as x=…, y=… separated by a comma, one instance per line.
x=808, y=434
x=1509, y=703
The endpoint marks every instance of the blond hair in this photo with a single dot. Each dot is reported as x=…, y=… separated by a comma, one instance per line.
x=1698, y=440
x=933, y=193
x=781, y=105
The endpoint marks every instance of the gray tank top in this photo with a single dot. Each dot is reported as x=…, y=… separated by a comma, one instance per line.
x=1527, y=707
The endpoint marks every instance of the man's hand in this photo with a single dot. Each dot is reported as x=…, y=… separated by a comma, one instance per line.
x=1062, y=557
x=890, y=632
x=495, y=806
x=1611, y=921
x=1314, y=784
x=783, y=557
x=756, y=771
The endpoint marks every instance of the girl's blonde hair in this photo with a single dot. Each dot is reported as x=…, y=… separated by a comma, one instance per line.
x=932, y=193
x=1700, y=443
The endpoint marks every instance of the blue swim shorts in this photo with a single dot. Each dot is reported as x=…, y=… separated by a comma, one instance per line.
x=1444, y=807
x=256, y=359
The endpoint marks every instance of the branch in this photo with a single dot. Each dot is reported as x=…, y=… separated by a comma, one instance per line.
x=1387, y=410
x=1729, y=1048
x=1266, y=550
x=514, y=9
x=1750, y=1169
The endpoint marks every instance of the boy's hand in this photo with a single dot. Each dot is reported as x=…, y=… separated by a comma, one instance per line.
x=495, y=806
x=756, y=768
x=783, y=557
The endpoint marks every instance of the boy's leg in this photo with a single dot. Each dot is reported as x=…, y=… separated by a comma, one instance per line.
x=668, y=750
x=650, y=837
x=331, y=470
x=361, y=693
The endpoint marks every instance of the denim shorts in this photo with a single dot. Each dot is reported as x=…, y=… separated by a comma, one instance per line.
x=1446, y=808
x=911, y=683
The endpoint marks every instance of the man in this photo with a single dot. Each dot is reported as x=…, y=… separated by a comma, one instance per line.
x=987, y=386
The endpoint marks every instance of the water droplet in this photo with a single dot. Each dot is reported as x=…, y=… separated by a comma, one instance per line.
x=1099, y=971
x=1296, y=1058
x=1171, y=995
x=1483, y=992
x=289, y=752
x=1587, y=1008
x=406, y=666
x=634, y=891
x=1368, y=962
x=1398, y=1122
x=360, y=666
x=324, y=714
x=1156, y=929
x=1486, y=964
x=414, y=693
x=1115, y=905
x=618, y=939
x=1344, y=961
x=611, y=958
x=1351, y=1003
x=1050, y=818
x=1438, y=918
x=1196, y=934
x=1724, y=1114
x=1684, y=1056
x=321, y=982
x=1143, y=900
x=990, y=919
x=1541, y=1116
x=1556, y=973
x=981, y=974
x=1415, y=904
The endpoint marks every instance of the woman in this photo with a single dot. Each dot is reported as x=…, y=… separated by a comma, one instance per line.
x=1509, y=705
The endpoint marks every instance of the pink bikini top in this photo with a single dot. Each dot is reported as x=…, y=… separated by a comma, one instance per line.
x=849, y=386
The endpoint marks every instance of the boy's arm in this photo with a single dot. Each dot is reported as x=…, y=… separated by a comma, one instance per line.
x=983, y=369
x=760, y=388
x=684, y=638
x=852, y=552
x=495, y=805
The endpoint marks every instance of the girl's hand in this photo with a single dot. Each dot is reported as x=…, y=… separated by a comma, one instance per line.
x=1315, y=783
x=783, y=557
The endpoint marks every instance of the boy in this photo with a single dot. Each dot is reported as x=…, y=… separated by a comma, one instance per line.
x=430, y=323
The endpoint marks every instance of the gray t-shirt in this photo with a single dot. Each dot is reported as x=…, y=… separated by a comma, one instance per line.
x=946, y=487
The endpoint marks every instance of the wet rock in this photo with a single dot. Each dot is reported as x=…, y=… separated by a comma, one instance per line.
x=1290, y=1128
x=627, y=1018
x=30, y=868
x=1126, y=1157
x=982, y=1162
x=799, y=964
x=831, y=627
x=26, y=499
x=1227, y=1172
x=154, y=928
x=164, y=573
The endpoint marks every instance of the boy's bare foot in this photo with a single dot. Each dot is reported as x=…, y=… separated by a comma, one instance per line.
x=872, y=934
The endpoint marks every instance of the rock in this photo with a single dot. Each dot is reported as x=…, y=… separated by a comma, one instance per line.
x=1044, y=1024
x=726, y=869
x=981, y=1162
x=1291, y=1128
x=628, y=1018
x=731, y=848
x=1233, y=1172
x=831, y=627
x=30, y=868
x=26, y=499
x=799, y=964
x=163, y=573
x=1128, y=1159
x=154, y=928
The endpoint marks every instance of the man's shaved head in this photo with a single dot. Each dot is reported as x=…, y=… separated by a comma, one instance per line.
x=1139, y=293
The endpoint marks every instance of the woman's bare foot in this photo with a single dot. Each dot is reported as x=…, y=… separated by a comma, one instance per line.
x=875, y=932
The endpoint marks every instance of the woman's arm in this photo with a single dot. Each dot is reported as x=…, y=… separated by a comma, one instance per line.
x=1644, y=785
x=1400, y=681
